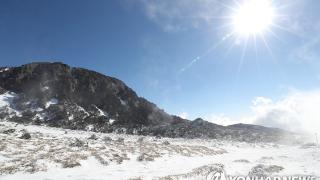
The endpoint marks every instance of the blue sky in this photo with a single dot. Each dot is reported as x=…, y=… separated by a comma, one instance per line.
x=172, y=52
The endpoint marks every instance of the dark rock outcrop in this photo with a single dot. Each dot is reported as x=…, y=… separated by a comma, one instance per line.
x=81, y=93
x=58, y=95
x=2, y=91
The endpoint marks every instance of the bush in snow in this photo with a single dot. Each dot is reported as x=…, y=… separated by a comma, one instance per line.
x=77, y=143
x=70, y=163
x=2, y=147
x=166, y=143
x=120, y=140
x=107, y=139
x=8, y=131
x=93, y=137
x=308, y=145
x=25, y=135
x=264, y=170
x=145, y=157
x=241, y=161
x=118, y=158
x=101, y=159
x=140, y=158
x=137, y=178
x=140, y=140
x=266, y=158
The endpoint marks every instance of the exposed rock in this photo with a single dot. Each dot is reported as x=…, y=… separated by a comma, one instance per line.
x=2, y=91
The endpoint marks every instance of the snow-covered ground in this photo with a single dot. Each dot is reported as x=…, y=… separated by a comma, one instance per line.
x=58, y=154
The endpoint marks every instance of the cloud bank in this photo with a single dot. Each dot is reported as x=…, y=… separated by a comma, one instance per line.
x=298, y=111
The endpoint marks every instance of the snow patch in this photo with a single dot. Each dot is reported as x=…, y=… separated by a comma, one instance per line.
x=6, y=99
x=4, y=70
x=102, y=113
x=40, y=116
x=6, y=104
x=123, y=102
x=51, y=102
x=111, y=121
x=45, y=88
x=3, y=158
x=181, y=157
x=79, y=108
x=89, y=128
x=71, y=117
x=36, y=109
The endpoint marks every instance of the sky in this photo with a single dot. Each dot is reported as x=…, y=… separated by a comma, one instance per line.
x=182, y=55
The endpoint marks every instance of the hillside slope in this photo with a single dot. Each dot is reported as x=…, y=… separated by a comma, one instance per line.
x=58, y=95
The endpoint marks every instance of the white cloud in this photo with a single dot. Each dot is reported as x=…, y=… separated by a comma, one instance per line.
x=184, y=115
x=308, y=52
x=298, y=111
x=175, y=15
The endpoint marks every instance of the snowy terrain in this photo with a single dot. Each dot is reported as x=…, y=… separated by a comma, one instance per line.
x=52, y=153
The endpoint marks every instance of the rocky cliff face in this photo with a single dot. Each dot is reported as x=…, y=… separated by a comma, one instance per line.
x=57, y=95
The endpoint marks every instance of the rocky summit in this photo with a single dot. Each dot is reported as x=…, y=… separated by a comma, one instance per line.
x=55, y=94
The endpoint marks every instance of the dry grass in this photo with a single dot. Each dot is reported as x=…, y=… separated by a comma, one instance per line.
x=34, y=154
x=202, y=171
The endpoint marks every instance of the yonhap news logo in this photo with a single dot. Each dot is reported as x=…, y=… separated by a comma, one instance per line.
x=217, y=175
x=221, y=175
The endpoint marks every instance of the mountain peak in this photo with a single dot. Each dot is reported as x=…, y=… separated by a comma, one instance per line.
x=58, y=95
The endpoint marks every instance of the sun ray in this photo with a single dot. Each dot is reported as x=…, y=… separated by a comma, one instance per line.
x=243, y=54
x=230, y=47
x=206, y=53
x=227, y=6
x=255, y=46
x=275, y=35
x=267, y=45
x=285, y=29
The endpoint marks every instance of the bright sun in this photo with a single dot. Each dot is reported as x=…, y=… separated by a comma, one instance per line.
x=252, y=17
